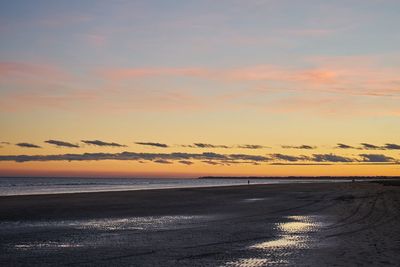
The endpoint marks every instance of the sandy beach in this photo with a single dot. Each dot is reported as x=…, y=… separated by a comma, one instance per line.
x=315, y=224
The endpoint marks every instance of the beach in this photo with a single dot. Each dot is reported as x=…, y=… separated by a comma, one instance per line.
x=313, y=224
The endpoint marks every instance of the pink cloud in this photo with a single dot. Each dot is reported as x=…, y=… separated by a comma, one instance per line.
x=29, y=70
x=319, y=76
x=28, y=101
x=323, y=105
x=96, y=40
x=325, y=76
x=152, y=100
x=118, y=74
x=255, y=73
x=252, y=73
x=361, y=76
x=324, y=86
x=104, y=101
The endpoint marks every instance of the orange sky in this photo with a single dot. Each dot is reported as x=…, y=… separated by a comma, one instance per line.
x=157, y=89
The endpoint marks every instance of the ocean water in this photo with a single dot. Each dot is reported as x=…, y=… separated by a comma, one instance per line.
x=52, y=185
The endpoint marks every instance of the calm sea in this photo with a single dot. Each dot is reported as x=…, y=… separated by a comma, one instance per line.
x=29, y=186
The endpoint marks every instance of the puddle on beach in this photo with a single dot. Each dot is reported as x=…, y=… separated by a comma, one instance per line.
x=133, y=223
x=47, y=245
x=253, y=199
x=137, y=223
x=293, y=236
x=98, y=230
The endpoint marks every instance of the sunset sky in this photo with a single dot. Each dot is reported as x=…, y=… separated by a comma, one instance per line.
x=191, y=88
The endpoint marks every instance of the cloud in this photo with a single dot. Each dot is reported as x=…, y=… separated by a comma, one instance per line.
x=283, y=157
x=209, y=158
x=323, y=74
x=367, y=146
x=96, y=40
x=178, y=156
x=186, y=162
x=344, y=146
x=210, y=162
x=376, y=158
x=392, y=146
x=28, y=145
x=102, y=143
x=4, y=143
x=300, y=147
x=252, y=73
x=60, y=143
x=300, y=164
x=29, y=71
x=248, y=157
x=328, y=80
x=66, y=100
x=203, y=145
x=330, y=158
x=251, y=146
x=212, y=155
x=132, y=73
x=162, y=161
x=152, y=144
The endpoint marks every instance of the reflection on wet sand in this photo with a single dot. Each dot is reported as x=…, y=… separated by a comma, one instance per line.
x=250, y=262
x=136, y=223
x=294, y=235
x=253, y=199
x=132, y=223
x=96, y=229
x=47, y=245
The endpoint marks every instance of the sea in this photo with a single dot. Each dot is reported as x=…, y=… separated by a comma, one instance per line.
x=10, y=186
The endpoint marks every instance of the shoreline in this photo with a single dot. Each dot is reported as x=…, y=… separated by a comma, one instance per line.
x=253, y=181
x=21, y=207
x=173, y=187
x=301, y=177
x=224, y=186
x=216, y=177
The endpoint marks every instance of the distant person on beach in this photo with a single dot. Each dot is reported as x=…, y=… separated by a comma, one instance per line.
x=248, y=181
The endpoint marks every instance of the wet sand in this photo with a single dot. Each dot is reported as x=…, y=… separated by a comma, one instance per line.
x=316, y=224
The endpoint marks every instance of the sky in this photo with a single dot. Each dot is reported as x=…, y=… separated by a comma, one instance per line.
x=193, y=88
